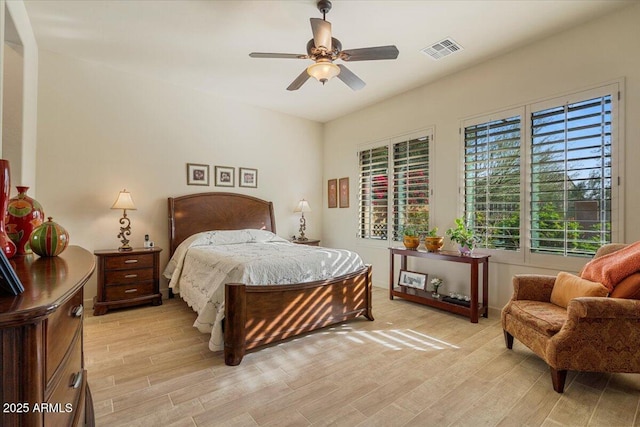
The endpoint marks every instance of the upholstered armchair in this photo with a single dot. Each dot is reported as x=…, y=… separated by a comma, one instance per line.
x=596, y=334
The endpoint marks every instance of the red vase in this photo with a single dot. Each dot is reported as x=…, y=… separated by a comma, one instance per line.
x=8, y=247
x=24, y=215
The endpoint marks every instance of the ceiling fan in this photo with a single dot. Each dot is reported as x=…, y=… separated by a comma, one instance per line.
x=323, y=49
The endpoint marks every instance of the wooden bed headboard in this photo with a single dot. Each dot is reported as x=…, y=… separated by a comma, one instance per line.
x=195, y=213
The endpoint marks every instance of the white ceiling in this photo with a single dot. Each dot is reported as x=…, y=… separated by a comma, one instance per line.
x=205, y=45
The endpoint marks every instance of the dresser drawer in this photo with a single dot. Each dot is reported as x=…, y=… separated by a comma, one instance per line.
x=129, y=261
x=64, y=399
x=62, y=326
x=123, y=292
x=118, y=277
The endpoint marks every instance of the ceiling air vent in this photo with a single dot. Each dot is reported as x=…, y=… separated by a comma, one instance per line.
x=442, y=48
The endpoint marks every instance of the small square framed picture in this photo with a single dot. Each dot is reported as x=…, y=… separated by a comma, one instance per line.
x=248, y=177
x=412, y=279
x=225, y=176
x=197, y=174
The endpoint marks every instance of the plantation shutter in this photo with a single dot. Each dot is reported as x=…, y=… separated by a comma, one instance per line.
x=411, y=185
x=492, y=182
x=571, y=177
x=374, y=189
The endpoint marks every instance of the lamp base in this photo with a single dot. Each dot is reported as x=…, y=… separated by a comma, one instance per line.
x=125, y=249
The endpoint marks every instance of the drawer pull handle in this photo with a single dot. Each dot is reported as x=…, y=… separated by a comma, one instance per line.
x=130, y=276
x=76, y=380
x=128, y=291
x=130, y=261
x=77, y=311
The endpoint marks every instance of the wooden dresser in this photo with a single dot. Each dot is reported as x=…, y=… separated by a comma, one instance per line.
x=43, y=380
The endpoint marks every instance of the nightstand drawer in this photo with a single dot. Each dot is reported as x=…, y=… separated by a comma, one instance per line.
x=129, y=261
x=118, y=277
x=124, y=292
x=62, y=327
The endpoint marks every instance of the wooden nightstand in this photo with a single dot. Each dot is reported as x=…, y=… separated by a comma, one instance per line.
x=309, y=242
x=127, y=278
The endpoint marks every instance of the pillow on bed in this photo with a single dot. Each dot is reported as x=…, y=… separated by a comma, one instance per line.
x=217, y=238
x=234, y=237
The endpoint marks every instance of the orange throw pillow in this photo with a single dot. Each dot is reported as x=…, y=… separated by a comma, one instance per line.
x=629, y=288
x=612, y=268
x=568, y=286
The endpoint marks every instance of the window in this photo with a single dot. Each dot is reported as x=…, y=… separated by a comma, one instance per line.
x=492, y=182
x=565, y=192
x=374, y=193
x=394, y=188
x=571, y=177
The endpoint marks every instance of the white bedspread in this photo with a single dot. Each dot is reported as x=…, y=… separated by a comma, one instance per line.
x=205, y=262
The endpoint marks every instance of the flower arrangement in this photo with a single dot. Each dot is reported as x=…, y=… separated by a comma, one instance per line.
x=436, y=282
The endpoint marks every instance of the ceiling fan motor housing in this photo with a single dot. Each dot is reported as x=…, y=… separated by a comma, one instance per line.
x=316, y=53
x=324, y=6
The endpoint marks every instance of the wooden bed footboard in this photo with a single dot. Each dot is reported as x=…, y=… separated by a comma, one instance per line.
x=259, y=315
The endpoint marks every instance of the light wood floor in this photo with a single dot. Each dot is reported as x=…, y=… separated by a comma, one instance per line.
x=412, y=366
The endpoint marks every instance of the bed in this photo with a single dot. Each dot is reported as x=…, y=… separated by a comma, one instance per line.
x=256, y=315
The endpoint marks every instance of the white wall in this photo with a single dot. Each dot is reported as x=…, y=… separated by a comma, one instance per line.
x=102, y=130
x=594, y=53
x=22, y=57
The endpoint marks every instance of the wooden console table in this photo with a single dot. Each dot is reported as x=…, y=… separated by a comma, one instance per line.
x=423, y=297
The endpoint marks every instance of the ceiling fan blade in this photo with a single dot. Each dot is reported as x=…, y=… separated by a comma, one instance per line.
x=278, y=55
x=350, y=79
x=321, y=33
x=370, y=53
x=299, y=81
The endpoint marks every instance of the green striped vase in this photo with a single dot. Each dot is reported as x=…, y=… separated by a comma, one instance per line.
x=49, y=239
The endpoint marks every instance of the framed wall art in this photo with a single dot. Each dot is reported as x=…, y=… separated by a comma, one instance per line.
x=332, y=189
x=197, y=174
x=344, y=192
x=225, y=176
x=248, y=177
x=411, y=279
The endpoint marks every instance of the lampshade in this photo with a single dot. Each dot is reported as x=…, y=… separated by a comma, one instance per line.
x=323, y=71
x=303, y=206
x=124, y=201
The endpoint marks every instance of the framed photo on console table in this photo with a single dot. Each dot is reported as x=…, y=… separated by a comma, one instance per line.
x=411, y=279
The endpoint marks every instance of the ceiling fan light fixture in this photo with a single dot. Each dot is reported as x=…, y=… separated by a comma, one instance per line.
x=323, y=71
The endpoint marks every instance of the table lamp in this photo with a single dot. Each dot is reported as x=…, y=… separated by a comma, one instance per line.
x=303, y=206
x=124, y=202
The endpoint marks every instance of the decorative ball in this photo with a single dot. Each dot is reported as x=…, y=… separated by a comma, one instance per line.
x=49, y=239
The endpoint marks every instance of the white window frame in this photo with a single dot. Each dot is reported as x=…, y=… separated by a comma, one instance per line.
x=524, y=256
x=389, y=142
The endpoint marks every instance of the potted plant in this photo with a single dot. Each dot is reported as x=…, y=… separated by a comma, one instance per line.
x=463, y=236
x=432, y=241
x=411, y=239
